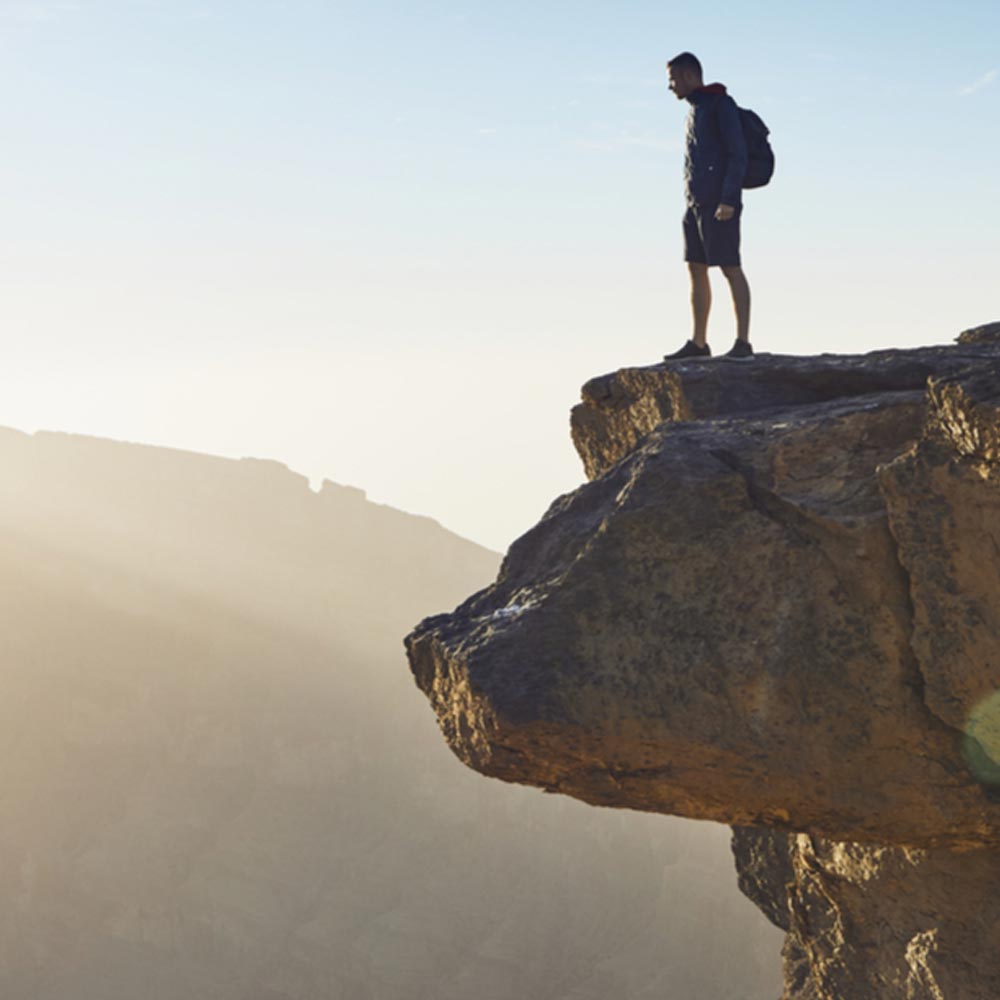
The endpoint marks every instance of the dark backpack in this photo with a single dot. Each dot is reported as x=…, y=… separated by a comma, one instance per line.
x=760, y=156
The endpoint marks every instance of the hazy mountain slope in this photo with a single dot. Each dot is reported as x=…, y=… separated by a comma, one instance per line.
x=217, y=781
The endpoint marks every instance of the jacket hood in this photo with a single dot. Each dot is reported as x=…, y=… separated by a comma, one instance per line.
x=711, y=88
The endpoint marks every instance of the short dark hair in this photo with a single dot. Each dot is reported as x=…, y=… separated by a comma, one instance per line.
x=685, y=61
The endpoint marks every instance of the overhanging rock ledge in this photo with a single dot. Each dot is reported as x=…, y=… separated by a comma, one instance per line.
x=775, y=604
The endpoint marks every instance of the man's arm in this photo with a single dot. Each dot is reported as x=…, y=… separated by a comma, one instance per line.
x=734, y=149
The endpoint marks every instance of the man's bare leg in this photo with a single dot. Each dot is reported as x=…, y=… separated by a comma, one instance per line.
x=701, y=301
x=740, y=288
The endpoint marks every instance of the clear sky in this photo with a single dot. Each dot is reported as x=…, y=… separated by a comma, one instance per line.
x=385, y=243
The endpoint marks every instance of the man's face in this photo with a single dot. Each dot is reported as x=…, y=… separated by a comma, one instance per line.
x=681, y=82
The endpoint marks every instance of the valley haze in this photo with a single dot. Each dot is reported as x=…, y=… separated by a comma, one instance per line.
x=218, y=780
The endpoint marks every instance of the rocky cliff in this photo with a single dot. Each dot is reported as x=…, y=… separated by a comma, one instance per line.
x=776, y=604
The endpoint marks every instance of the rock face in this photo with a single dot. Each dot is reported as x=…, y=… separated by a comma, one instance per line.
x=872, y=922
x=774, y=605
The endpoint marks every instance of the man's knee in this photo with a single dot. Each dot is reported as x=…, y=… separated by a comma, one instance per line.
x=733, y=272
x=698, y=271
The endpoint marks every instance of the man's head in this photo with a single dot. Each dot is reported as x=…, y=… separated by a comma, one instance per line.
x=684, y=74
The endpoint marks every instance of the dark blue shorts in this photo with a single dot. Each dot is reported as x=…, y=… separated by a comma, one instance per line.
x=708, y=241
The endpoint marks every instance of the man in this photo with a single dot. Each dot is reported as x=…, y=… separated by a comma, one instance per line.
x=715, y=161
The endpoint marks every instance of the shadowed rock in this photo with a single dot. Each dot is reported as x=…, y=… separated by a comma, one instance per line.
x=988, y=333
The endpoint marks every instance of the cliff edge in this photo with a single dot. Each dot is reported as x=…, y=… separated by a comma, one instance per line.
x=775, y=604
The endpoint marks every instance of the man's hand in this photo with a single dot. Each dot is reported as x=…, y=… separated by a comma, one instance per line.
x=724, y=213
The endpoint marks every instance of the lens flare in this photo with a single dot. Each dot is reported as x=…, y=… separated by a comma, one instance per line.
x=981, y=744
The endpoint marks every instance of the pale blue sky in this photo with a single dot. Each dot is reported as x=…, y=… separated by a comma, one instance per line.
x=386, y=243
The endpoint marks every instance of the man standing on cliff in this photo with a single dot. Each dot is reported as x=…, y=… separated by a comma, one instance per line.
x=715, y=161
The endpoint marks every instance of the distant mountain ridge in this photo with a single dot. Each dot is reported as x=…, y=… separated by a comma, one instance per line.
x=182, y=509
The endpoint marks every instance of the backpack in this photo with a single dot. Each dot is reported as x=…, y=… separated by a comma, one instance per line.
x=760, y=156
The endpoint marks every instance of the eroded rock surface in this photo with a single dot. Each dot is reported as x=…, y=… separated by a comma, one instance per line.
x=873, y=922
x=774, y=605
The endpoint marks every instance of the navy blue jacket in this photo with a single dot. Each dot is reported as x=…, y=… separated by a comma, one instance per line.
x=715, y=157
